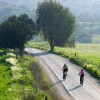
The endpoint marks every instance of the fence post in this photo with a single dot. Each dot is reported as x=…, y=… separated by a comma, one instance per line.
x=46, y=98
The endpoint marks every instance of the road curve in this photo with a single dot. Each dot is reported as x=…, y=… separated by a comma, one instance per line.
x=91, y=88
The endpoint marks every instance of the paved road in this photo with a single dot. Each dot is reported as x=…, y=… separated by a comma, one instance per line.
x=91, y=88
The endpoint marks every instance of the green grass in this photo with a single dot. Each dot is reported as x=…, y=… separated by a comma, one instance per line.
x=18, y=80
x=85, y=55
x=39, y=45
x=5, y=76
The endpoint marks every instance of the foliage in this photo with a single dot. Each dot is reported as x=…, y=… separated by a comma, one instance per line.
x=88, y=21
x=15, y=31
x=5, y=76
x=55, y=21
x=17, y=82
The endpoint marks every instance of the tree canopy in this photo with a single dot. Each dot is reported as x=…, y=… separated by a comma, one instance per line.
x=15, y=31
x=56, y=22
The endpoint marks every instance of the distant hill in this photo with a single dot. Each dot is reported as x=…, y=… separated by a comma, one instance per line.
x=81, y=8
x=86, y=12
x=84, y=8
x=9, y=8
x=87, y=19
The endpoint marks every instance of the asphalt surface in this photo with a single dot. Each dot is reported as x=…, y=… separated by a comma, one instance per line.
x=89, y=91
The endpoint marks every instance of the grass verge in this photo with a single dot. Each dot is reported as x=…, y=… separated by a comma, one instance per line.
x=23, y=79
x=84, y=55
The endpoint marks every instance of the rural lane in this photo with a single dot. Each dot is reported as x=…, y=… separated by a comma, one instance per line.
x=91, y=88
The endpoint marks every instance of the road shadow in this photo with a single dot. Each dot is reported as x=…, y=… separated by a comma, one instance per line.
x=57, y=82
x=40, y=54
x=99, y=82
x=76, y=87
x=29, y=50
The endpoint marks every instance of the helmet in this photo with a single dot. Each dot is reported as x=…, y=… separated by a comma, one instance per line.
x=65, y=66
x=81, y=69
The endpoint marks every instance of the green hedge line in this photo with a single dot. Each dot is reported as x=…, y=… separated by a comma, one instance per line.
x=89, y=67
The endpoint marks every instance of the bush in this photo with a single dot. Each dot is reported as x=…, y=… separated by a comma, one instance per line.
x=24, y=80
x=29, y=96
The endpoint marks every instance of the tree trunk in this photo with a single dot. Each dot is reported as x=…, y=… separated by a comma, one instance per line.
x=15, y=51
x=52, y=47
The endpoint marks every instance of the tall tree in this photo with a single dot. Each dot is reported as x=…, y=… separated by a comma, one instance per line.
x=15, y=32
x=56, y=22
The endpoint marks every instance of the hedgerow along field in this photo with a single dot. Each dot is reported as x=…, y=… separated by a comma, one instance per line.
x=23, y=79
x=85, y=55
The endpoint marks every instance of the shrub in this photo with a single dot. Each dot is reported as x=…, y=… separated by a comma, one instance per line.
x=29, y=96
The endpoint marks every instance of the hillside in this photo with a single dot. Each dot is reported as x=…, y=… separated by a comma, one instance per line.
x=9, y=9
x=81, y=9
x=86, y=12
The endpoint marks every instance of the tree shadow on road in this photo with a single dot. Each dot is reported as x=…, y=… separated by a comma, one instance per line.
x=57, y=82
x=76, y=87
x=41, y=53
x=99, y=83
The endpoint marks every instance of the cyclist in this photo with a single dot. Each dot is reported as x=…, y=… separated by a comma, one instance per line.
x=65, y=70
x=81, y=73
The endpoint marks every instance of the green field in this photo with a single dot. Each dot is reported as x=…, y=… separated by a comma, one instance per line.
x=85, y=55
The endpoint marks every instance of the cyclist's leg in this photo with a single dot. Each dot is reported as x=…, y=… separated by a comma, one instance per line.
x=63, y=74
x=80, y=80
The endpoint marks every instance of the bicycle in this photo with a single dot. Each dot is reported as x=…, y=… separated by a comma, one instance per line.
x=81, y=73
x=64, y=75
x=81, y=80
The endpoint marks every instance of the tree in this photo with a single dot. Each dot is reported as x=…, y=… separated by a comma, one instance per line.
x=16, y=31
x=55, y=21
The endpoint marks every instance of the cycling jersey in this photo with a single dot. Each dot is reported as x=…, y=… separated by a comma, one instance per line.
x=81, y=73
x=65, y=67
x=65, y=70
